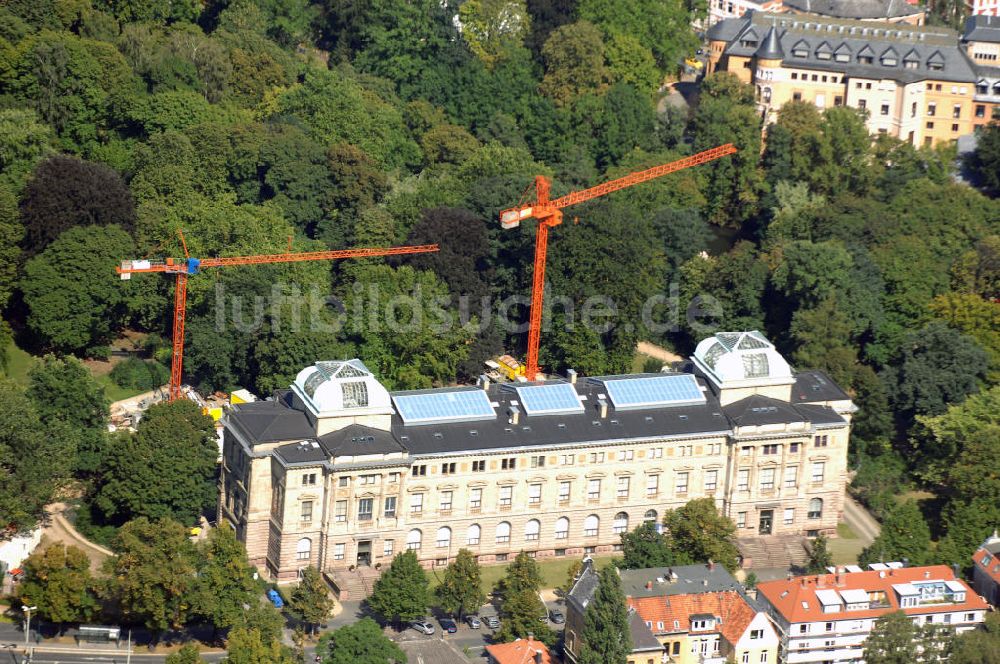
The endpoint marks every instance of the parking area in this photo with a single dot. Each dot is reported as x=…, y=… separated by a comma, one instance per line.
x=429, y=650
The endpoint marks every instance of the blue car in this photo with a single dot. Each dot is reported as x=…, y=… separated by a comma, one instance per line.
x=275, y=598
x=448, y=625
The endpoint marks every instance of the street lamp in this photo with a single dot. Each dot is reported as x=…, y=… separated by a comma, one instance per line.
x=27, y=626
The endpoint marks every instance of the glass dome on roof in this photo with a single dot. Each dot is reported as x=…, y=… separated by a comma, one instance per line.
x=738, y=356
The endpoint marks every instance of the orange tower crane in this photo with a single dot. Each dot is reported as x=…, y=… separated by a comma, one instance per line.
x=549, y=213
x=188, y=266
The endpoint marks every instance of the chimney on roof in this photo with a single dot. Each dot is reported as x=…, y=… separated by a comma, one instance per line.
x=649, y=585
x=531, y=637
x=602, y=407
x=927, y=574
x=838, y=580
x=513, y=414
x=821, y=580
x=571, y=375
x=711, y=565
x=484, y=381
x=704, y=582
x=538, y=657
x=805, y=581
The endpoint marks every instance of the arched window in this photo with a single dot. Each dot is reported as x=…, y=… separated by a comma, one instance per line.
x=620, y=524
x=503, y=533
x=444, y=536
x=650, y=515
x=562, y=528
x=303, y=549
x=815, y=508
x=413, y=540
x=472, y=539
x=531, y=530
x=590, y=525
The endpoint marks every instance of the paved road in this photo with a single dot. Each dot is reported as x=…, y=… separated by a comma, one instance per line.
x=860, y=521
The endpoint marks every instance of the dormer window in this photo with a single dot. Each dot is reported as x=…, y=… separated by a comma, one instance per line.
x=800, y=49
x=935, y=66
x=824, y=52
x=888, y=61
x=866, y=59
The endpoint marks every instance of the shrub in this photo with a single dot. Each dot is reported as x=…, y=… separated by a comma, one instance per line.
x=139, y=374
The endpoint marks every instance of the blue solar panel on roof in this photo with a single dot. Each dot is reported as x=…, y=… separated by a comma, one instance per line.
x=443, y=406
x=653, y=391
x=550, y=398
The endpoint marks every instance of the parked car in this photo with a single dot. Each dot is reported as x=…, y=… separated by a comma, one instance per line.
x=474, y=622
x=423, y=626
x=448, y=625
x=493, y=622
x=557, y=617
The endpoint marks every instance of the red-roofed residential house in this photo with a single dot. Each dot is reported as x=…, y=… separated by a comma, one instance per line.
x=986, y=569
x=826, y=618
x=520, y=651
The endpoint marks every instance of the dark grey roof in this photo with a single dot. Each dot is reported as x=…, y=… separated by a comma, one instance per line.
x=359, y=440
x=770, y=48
x=932, y=45
x=642, y=637
x=982, y=28
x=583, y=590
x=857, y=9
x=816, y=386
x=680, y=580
x=270, y=421
x=305, y=452
x=757, y=410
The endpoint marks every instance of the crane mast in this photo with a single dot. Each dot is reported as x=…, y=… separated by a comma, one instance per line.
x=548, y=212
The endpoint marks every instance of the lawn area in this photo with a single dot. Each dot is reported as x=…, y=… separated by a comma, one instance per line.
x=639, y=361
x=846, y=547
x=112, y=390
x=18, y=364
x=554, y=572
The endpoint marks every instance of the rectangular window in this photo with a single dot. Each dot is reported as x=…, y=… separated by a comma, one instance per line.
x=506, y=496
x=340, y=511
x=368, y=479
x=821, y=441
x=745, y=658
x=387, y=548
x=307, y=511
x=479, y=466
x=766, y=479
x=342, y=481
x=862, y=104
x=770, y=450
x=652, y=485
x=365, y=507
x=626, y=455
x=954, y=127
x=622, y=491
x=593, y=489
x=390, y=507
x=393, y=478
x=445, y=504
x=741, y=519
x=838, y=100
x=791, y=473
x=534, y=494
x=538, y=462
x=448, y=468
x=930, y=125
x=309, y=479
x=597, y=457
x=564, y=491
x=743, y=479
x=756, y=634
x=681, y=485
x=418, y=471
x=980, y=111
x=686, y=450
x=656, y=453
x=716, y=448
x=932, y=109
x=711, y=480
x=818, y=471
x=793, y=448
x=746, y=450
x=508, y=464
x=567, y=459
x=475, y=498
x=338, y=552
x=795, y=76
x=789, y=516
x=416, y=503
x=763, y=657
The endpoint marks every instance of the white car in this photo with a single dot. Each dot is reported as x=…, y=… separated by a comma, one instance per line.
x=423, y=626
x=474, y=622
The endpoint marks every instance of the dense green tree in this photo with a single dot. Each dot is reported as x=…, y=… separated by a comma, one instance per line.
x=521, y=575
x=248, y=646
x=646, y=547
x=519, y=618
x=491, y=27
x=904, y=534
x=11, y=233
x=152, y=573
x=462, y=261
x=165, y=470
x=631, y=62
x=265, y=618
x=701, y=533
x=663, y=26
x=401, y=594
x=822, y=338
x=605, y=636
x=892, y=640
x=977, y=271
x=188, y=654
x=461, y=590
x=34, y=459
x=225, y=583
x=819, y=556
x=57, y=580
x=311, y=601
x=985, y=161
x=976, y=317
x=24, y=139
x=74, y=298
x=574, y=62
x=359, y=643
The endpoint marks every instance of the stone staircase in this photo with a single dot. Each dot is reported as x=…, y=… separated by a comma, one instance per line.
x=352, y=585
x=774, y=551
